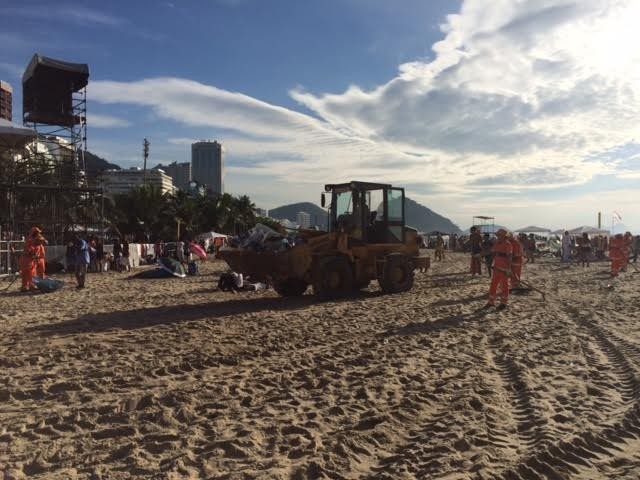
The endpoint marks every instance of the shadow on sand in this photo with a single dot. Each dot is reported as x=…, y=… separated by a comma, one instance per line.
x=166, y=315
x=453, y=321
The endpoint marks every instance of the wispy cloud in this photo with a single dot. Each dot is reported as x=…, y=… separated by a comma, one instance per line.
x=12, y=69
x=95, y=120
x=65, y=13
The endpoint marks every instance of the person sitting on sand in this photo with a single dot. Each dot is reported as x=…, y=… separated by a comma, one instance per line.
x=231, y=282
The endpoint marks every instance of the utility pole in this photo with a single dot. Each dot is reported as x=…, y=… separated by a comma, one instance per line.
x=145, y=151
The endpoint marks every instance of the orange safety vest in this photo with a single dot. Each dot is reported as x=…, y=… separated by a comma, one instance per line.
x=517, y=251
x=502, y=251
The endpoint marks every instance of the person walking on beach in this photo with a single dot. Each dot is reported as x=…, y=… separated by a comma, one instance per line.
x=503, y=252
x=83, y=259
x=475, y=239
x=566, y=247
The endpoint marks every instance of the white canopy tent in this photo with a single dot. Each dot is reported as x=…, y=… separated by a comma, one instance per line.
x=535, y=230
x=589, y=231
x=14, y=136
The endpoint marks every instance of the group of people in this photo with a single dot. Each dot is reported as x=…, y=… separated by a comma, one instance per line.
x=506, y=256
x=33, y=259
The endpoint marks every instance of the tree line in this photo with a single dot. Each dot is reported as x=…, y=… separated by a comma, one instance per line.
x=148, y=214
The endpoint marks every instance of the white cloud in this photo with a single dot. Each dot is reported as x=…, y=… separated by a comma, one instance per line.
x=95, y=120
x=12, y=69
x=519, y=96
x=65, y=13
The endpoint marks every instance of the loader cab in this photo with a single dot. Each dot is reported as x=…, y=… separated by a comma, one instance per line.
x=370, y=212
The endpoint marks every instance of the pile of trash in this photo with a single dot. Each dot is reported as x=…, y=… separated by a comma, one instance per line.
x=264, y=239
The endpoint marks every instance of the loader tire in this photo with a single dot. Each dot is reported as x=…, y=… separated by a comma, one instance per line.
x=397, y=274
x=357, y=286
x=333, y=278
x=291, y=287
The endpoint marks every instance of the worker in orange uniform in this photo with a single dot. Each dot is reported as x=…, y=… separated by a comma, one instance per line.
x=28, y=260
x=41, y=263
x=503, y=252
x=516, y=260
x=627, y=243
x=616, y=254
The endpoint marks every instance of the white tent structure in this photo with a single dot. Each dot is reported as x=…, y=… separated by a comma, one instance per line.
x=535, y=230
x=589, y=231
x=14, y=136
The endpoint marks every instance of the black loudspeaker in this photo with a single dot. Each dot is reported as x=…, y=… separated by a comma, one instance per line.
x=48, y=86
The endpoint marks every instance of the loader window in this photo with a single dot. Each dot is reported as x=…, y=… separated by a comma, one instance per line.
x=344, y=205
x=395, y=205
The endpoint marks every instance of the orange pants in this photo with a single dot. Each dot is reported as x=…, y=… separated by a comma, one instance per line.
x=516, y=271
x=27, y=271
x=617, y=263
x=40, y=267
x=502, y=279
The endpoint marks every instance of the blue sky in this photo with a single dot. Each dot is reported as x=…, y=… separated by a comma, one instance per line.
x=522, y=110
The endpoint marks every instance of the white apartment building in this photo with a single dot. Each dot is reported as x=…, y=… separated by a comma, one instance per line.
x=116, y=182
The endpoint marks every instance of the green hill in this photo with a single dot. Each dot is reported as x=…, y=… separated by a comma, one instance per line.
x=417, y=216
x=95, y=165
x=290, y=212
x=426, y=220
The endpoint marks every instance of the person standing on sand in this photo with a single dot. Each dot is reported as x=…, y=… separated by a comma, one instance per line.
x=41, y=261
x=28, y=260
x=487, y=253
x=516, y=260
x=117, y=253
x=475, y=239
x=585, y=249
x=83, y=259
x=503, y=252
x=125, y=255
x=439, y=248
x=616, y=254
x=566, y=247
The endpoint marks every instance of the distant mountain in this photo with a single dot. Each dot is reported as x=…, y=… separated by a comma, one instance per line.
x=417, y=216
x=95, y=165
x=426, y=220
x=290, y=212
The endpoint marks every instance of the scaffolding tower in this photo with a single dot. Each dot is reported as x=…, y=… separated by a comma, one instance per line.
x=45, y=184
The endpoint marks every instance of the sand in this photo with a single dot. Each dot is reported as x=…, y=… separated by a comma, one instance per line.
x=167, y=379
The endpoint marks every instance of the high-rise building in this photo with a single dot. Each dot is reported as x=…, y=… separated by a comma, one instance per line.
x=6, y=101
x=207, y=165
x=303, y=219
x=116, y=182
x=179, y=172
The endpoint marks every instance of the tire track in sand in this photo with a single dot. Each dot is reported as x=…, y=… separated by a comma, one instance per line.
x=582, y=451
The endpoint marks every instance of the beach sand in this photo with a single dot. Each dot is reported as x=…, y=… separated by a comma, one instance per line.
x=169, y=379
